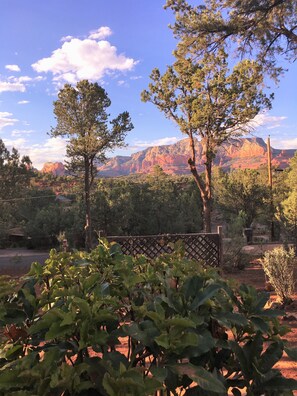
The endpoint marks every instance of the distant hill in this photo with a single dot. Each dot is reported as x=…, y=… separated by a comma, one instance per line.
x=238, y=153
x=55, y=168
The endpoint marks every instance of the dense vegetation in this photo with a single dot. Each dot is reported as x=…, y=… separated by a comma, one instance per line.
x=82, y=116
x=44, y=206
x=102, y=323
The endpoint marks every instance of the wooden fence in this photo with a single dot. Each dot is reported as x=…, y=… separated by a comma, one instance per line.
x=200, y=247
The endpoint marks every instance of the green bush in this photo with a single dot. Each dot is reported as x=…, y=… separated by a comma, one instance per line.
x=278, y=265
x=186, y=330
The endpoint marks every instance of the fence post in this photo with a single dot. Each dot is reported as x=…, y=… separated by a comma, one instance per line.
x=220, y=232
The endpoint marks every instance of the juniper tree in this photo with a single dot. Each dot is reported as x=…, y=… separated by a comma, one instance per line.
x=262, y=29
x=208, y=101
x=81, y=114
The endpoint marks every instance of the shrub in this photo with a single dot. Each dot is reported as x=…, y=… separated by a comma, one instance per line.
x=186, y=330
x=233, y=256
x=278, y=265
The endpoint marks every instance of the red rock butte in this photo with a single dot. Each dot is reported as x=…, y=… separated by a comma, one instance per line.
x=238, y=153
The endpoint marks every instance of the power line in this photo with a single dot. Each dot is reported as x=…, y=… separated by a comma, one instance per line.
x=36, y=197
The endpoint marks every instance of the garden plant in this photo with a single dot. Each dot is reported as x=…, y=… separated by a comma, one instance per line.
x=102, y=323
x=278, y=265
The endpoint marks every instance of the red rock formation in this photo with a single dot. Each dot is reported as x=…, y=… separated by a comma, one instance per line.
x=55, y=168
x=238, y=153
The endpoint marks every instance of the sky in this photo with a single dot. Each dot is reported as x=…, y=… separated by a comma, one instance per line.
x=45, y=44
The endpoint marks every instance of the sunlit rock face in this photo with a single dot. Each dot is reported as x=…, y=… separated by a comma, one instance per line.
x=55, y=168
x=237, y=153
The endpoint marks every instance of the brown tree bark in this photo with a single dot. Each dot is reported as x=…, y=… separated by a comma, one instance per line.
x=88, y=223
x=203, y=186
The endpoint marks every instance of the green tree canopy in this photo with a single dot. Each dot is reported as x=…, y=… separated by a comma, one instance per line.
x=207, y=100
x=241, y=193
x=263, y=28
x=81, y=114
x=15, y=175
x=15, y=172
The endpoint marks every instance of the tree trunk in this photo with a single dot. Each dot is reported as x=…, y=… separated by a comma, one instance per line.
x=203, y=186
x=207, y=201
x=88, y=228
x=207, y=215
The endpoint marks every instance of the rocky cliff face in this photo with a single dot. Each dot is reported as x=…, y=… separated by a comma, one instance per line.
x=55, y=168
x=238, y=153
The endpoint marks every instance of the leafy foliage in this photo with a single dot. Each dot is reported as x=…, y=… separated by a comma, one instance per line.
x=263, y=29
x=278, y=265
x=241, y=193
x=210, y=102
x=102, y=323
x=146, y=205
x=81, y=114
x=15, y=174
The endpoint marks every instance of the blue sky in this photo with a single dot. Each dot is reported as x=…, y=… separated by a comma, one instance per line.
x=117, y=43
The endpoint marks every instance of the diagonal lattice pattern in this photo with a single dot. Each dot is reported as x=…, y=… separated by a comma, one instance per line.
x=200, y=247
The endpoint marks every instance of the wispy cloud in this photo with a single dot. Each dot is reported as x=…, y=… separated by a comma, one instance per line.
x=23, y=102
x=90, y=58
x=284, y=143
x=269, y=121
x=17, y=84
x=122, y=83
x=6, y=119
x=10, y=86
x=101, y=33
x=14, y=68
x=143, y=144
x=66, y=38
x=52, y=150
x=21, y=132
x=16, y=143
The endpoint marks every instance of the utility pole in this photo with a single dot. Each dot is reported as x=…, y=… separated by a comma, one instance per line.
x=272, y=232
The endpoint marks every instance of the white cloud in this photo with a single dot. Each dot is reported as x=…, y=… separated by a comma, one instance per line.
x=53, y=150
x=6, y=119
x=101, y=33
x=23, y=102
x=270, y=122
x=18, y=132
x=66, y=38
x=123, y=83
x=143, y=144
x=136, y=77
x=7, y=86
x=17, y=84
x=14, y=68
x=79, y=59
x=16, y=143
x=284, y=143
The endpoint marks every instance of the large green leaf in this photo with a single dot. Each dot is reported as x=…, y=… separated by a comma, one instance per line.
x=270, y=357
x=291, y=352
x=281, y=384
x=205, y=295
x=202, y=377
x=8, y=380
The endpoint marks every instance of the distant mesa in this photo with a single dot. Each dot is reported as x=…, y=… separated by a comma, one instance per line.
x=55, y=168
x=237, y=153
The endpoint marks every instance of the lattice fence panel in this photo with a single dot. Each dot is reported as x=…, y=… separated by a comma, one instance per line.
x=200, y=247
